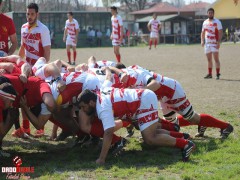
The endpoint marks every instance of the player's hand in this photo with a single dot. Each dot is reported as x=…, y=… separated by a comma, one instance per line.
x=64, y=39
x=23, y=101
x=61, y=85
x=111, y=37
x=100, y=161
x=202, y=43
x=218, y=45
x=76, y=40
x=71, y=69
x=23, y=78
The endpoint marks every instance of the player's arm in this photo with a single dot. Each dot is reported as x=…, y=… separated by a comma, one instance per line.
x=46, y=54
x=149, y=26
x=64, y=35
x=203, y=36
x=13, y=39
x=7, y=66
x=152, y=85
x=116, y=70
x=38, y=122
x=6, y=125
x=21, y=52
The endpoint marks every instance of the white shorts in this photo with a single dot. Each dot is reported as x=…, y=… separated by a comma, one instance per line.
x=153, y=35
x=107, y=83
x=38, y=68
x=210, y=49
x=116, y=43
x=147, y=113
x=70, y=42
x=179, y=103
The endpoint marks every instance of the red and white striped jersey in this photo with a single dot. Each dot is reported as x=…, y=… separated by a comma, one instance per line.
x=116, y=27
x=211, y=28
x=71, y=29
x=154, y=25
x=117, y=103
x=34, y=39
x=103, y=63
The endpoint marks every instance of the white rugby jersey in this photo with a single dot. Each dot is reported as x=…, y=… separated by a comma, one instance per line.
x=154, y=25
x=117, y=103
x=211, y=28
x=116, y=28
x=71, y=29
x=34, y=39
x=103, y=63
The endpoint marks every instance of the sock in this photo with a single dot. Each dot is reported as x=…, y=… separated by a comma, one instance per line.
x=218, y=70
x=167, y=125
x=182, y=122
x=17, y=124
x=69, y=56
x=74, y=55
x=126, y=123
x=209, y=121
x=26, y=124
x=210, y=71
x=150, y=43
x=97, y=130
x=118, y=56
x=155, y=43
x=181, y=143
x=176, y=134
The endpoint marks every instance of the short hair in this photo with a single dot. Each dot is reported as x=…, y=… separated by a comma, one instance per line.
x=120, y=66
x=210, y=9
x=33, y=6
x=113, y=8
x=0, y=1
x=86, y=96
x=70, y=13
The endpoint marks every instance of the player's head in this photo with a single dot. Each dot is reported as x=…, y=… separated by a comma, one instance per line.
x=210, y=13
x=32, y=13
x=113, y=10
x=154, y=16
x=70, y=15
x=86, y=100
x=120, y=66
x=7, y=92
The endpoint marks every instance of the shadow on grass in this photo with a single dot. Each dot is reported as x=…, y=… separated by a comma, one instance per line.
x=237, y=80
x=49, y=159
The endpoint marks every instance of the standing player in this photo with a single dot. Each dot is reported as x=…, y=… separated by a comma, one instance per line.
x=35, y=43
x=71, y=31
x=7, y=30
x=117, y=32
x=154, y=26
x=212, y=33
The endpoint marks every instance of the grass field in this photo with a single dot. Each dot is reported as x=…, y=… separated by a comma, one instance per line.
x=213, y=158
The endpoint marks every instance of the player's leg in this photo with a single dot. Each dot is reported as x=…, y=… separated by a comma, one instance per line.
x=155, y=42
x=217, y=63
x=117, y=53
x=209, y=59
x=150, y=42
x=68, y=46
x=74, y=54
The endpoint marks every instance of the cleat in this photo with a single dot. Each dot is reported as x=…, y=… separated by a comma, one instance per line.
x=80, y=141
x=225, y=132
x=19, y=133
x=118, y=147
x=27, y=131
x=130, y=131
x=187, y=150
x=218, y=76
x=186, y=136
x=208, y=76
x=201, y=131
x=63, y=135
x=69, y=62
x=4, y=154
x=73, y=63
x=39, y=133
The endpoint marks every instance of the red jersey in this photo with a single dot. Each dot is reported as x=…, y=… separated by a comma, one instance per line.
x=7, y=29
x=35, y=89
x=1, y=110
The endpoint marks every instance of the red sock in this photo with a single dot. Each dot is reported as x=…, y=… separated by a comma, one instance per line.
x=26, y=123
x=209, y=121
x=182, y=122
x=155, y=43
x=176, y=134
x=210, y=71
x=150, y=43
x=181, y=143
x=69, y=56
x=118, y=56
x=97, y=130
x=126, y=123
x=74, y=55
x=167, y=125
x=218, y=70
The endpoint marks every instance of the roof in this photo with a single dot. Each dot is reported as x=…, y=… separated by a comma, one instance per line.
x=163, y=7
x=161, y=18
x=196, y=6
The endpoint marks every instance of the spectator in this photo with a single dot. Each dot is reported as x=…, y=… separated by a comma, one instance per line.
x=99, y=38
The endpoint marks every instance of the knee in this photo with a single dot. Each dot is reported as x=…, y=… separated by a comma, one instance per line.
x=148, y=140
